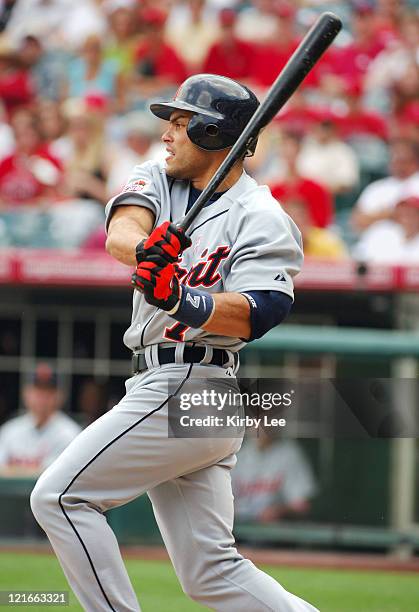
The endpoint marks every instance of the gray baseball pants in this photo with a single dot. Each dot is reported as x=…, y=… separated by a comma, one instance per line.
x=125, y=453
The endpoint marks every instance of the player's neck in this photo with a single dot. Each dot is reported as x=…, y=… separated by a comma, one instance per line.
x=231, y=178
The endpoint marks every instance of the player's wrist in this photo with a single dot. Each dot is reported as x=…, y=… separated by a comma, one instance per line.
x=194, y=307
x=174, y=307
x=139, y=251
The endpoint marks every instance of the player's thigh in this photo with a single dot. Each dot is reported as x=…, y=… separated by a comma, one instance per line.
x=127, y=451
x=195, y=515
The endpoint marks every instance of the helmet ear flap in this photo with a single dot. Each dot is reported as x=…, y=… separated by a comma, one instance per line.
x=205, y=133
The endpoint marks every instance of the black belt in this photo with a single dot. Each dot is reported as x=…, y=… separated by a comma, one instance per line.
x=191, y=354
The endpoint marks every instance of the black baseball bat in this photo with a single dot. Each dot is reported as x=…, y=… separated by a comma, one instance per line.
x=309, y=51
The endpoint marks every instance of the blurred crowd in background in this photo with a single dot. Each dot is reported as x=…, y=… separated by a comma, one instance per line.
x=77, y=76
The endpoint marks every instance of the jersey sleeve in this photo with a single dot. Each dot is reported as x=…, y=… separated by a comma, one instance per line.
x=266, y=254
x=141, y=189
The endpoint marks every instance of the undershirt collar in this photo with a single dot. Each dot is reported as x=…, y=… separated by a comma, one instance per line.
x=194, y=194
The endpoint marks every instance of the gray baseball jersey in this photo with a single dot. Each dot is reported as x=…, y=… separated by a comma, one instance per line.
x=241, y=242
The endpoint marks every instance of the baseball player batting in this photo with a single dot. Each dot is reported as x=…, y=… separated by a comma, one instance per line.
x=198, y=299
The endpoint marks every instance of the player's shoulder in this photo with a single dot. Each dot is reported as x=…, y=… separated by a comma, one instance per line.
x=15, y=424
x=256, y=198
x=256, y=205
x=147, y=178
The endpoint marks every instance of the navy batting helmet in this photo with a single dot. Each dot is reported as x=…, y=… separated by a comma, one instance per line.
x=222, y=108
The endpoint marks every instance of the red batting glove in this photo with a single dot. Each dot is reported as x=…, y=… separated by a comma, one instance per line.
x=164, y=245
x=159, y=285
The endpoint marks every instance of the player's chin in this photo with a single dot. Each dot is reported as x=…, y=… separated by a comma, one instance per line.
x=174, y=171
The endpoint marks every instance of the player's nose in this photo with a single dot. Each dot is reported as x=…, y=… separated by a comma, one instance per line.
x=167, y=135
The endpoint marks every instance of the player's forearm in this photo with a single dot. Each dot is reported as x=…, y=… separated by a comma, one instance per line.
x=121, y=243
x=124, y=234
x=129, y=224
x=230, y=317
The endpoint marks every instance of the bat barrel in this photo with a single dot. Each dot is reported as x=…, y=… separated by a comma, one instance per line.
x=309, y=51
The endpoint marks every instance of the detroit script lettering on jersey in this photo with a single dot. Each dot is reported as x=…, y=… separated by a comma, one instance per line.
x=240, y=242
x=205, y=273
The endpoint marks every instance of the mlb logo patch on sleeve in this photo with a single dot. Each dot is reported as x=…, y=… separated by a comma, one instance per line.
x=135, y=185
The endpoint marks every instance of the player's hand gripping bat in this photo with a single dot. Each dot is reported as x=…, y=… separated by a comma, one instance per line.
x=309, y=51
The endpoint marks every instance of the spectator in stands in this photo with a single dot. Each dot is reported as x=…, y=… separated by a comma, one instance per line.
x=142, y=143
x=7, y=141
x=388, y=17
x=294, y=185
x=271, y=56
x=60, y=24
x=366, y=131
x=322, y=151
x=47, y=69
x=267, y=165
x=16, y=85
x=53, y=126
x=350, y=64
x=378, y=200
x=408, y=128
x=256, y=22
x=393, y=242
x=272, y=480
x=192, y=32
x=91, y=401
x=31, y=175
x=92, y=74
x=85, y=168
x=405, y=92
x=318, y=242
x=122, y=37
x=298, y=115
x=31, y=442
x=158, y=68
x=395, y=59
x=359, y=121
x=229, y=56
